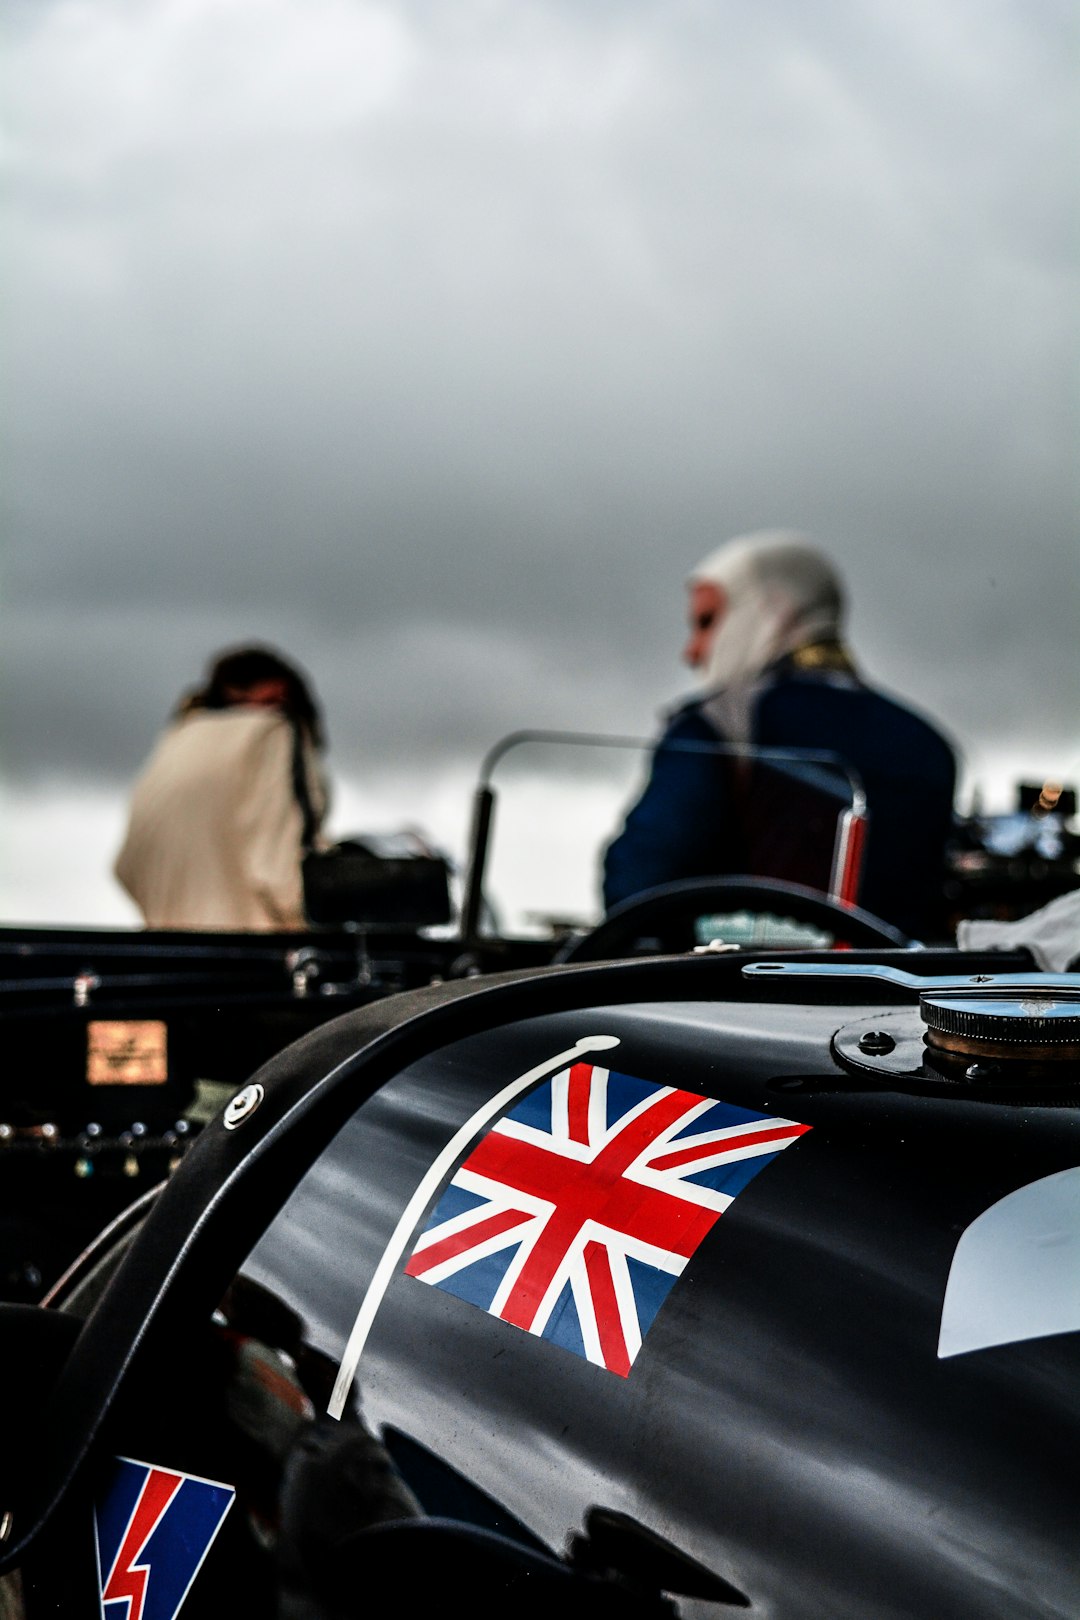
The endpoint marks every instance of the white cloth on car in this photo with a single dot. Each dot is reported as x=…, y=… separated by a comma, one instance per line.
x=1051, y=934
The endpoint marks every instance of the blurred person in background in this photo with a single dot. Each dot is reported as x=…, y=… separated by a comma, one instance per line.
x=216, y=827
x=766, y=619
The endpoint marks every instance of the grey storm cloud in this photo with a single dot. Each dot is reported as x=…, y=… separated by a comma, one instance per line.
x=436, y=343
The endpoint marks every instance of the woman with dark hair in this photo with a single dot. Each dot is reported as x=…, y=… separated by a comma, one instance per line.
x=216, y=828
x=258, y=675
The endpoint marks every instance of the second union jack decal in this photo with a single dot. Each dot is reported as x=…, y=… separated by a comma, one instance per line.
x=575, y=1214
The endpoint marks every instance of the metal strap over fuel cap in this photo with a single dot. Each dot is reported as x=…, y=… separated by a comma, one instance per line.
x=1018, y=983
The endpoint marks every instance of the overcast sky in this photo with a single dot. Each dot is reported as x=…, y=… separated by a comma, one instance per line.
x=435, y=342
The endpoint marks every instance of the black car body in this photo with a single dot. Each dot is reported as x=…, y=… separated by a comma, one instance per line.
x=645, y=1287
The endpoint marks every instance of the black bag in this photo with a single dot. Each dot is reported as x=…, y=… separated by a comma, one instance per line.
x=371, y=882
x=349, y=883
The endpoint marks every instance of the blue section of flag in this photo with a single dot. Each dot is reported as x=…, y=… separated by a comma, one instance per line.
x=456, y=1201
x=651, y=1288
x=534, y=1108
x=564, y=1327
x=720, y=1113
x=729, y=1178
x=625, y=1092
x=478, y=1283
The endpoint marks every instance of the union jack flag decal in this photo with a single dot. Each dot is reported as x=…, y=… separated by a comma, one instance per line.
x=576, y=1212
x=154, y=1528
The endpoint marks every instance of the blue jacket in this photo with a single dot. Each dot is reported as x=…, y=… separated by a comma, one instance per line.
x=705, y=815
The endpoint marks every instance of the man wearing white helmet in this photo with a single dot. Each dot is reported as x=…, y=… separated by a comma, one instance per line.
x=766, y=615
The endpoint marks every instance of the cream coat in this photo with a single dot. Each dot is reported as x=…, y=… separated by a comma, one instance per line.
x=214, y=831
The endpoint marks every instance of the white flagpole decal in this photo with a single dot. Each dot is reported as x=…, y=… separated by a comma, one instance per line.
x=420, y=1199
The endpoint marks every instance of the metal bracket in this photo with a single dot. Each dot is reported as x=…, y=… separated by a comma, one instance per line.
x=911, y=981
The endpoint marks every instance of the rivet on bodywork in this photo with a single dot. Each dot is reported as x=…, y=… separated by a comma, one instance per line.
x=242, y=1106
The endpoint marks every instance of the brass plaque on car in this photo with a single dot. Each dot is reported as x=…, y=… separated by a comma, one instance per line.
x=126, y=1052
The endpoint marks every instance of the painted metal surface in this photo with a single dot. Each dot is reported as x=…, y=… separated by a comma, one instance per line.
x=856, y=1393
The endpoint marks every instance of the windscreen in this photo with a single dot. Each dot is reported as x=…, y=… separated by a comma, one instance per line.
x=557, y=800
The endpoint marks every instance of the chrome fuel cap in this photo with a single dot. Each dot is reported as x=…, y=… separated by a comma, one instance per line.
x=1032, y=1025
